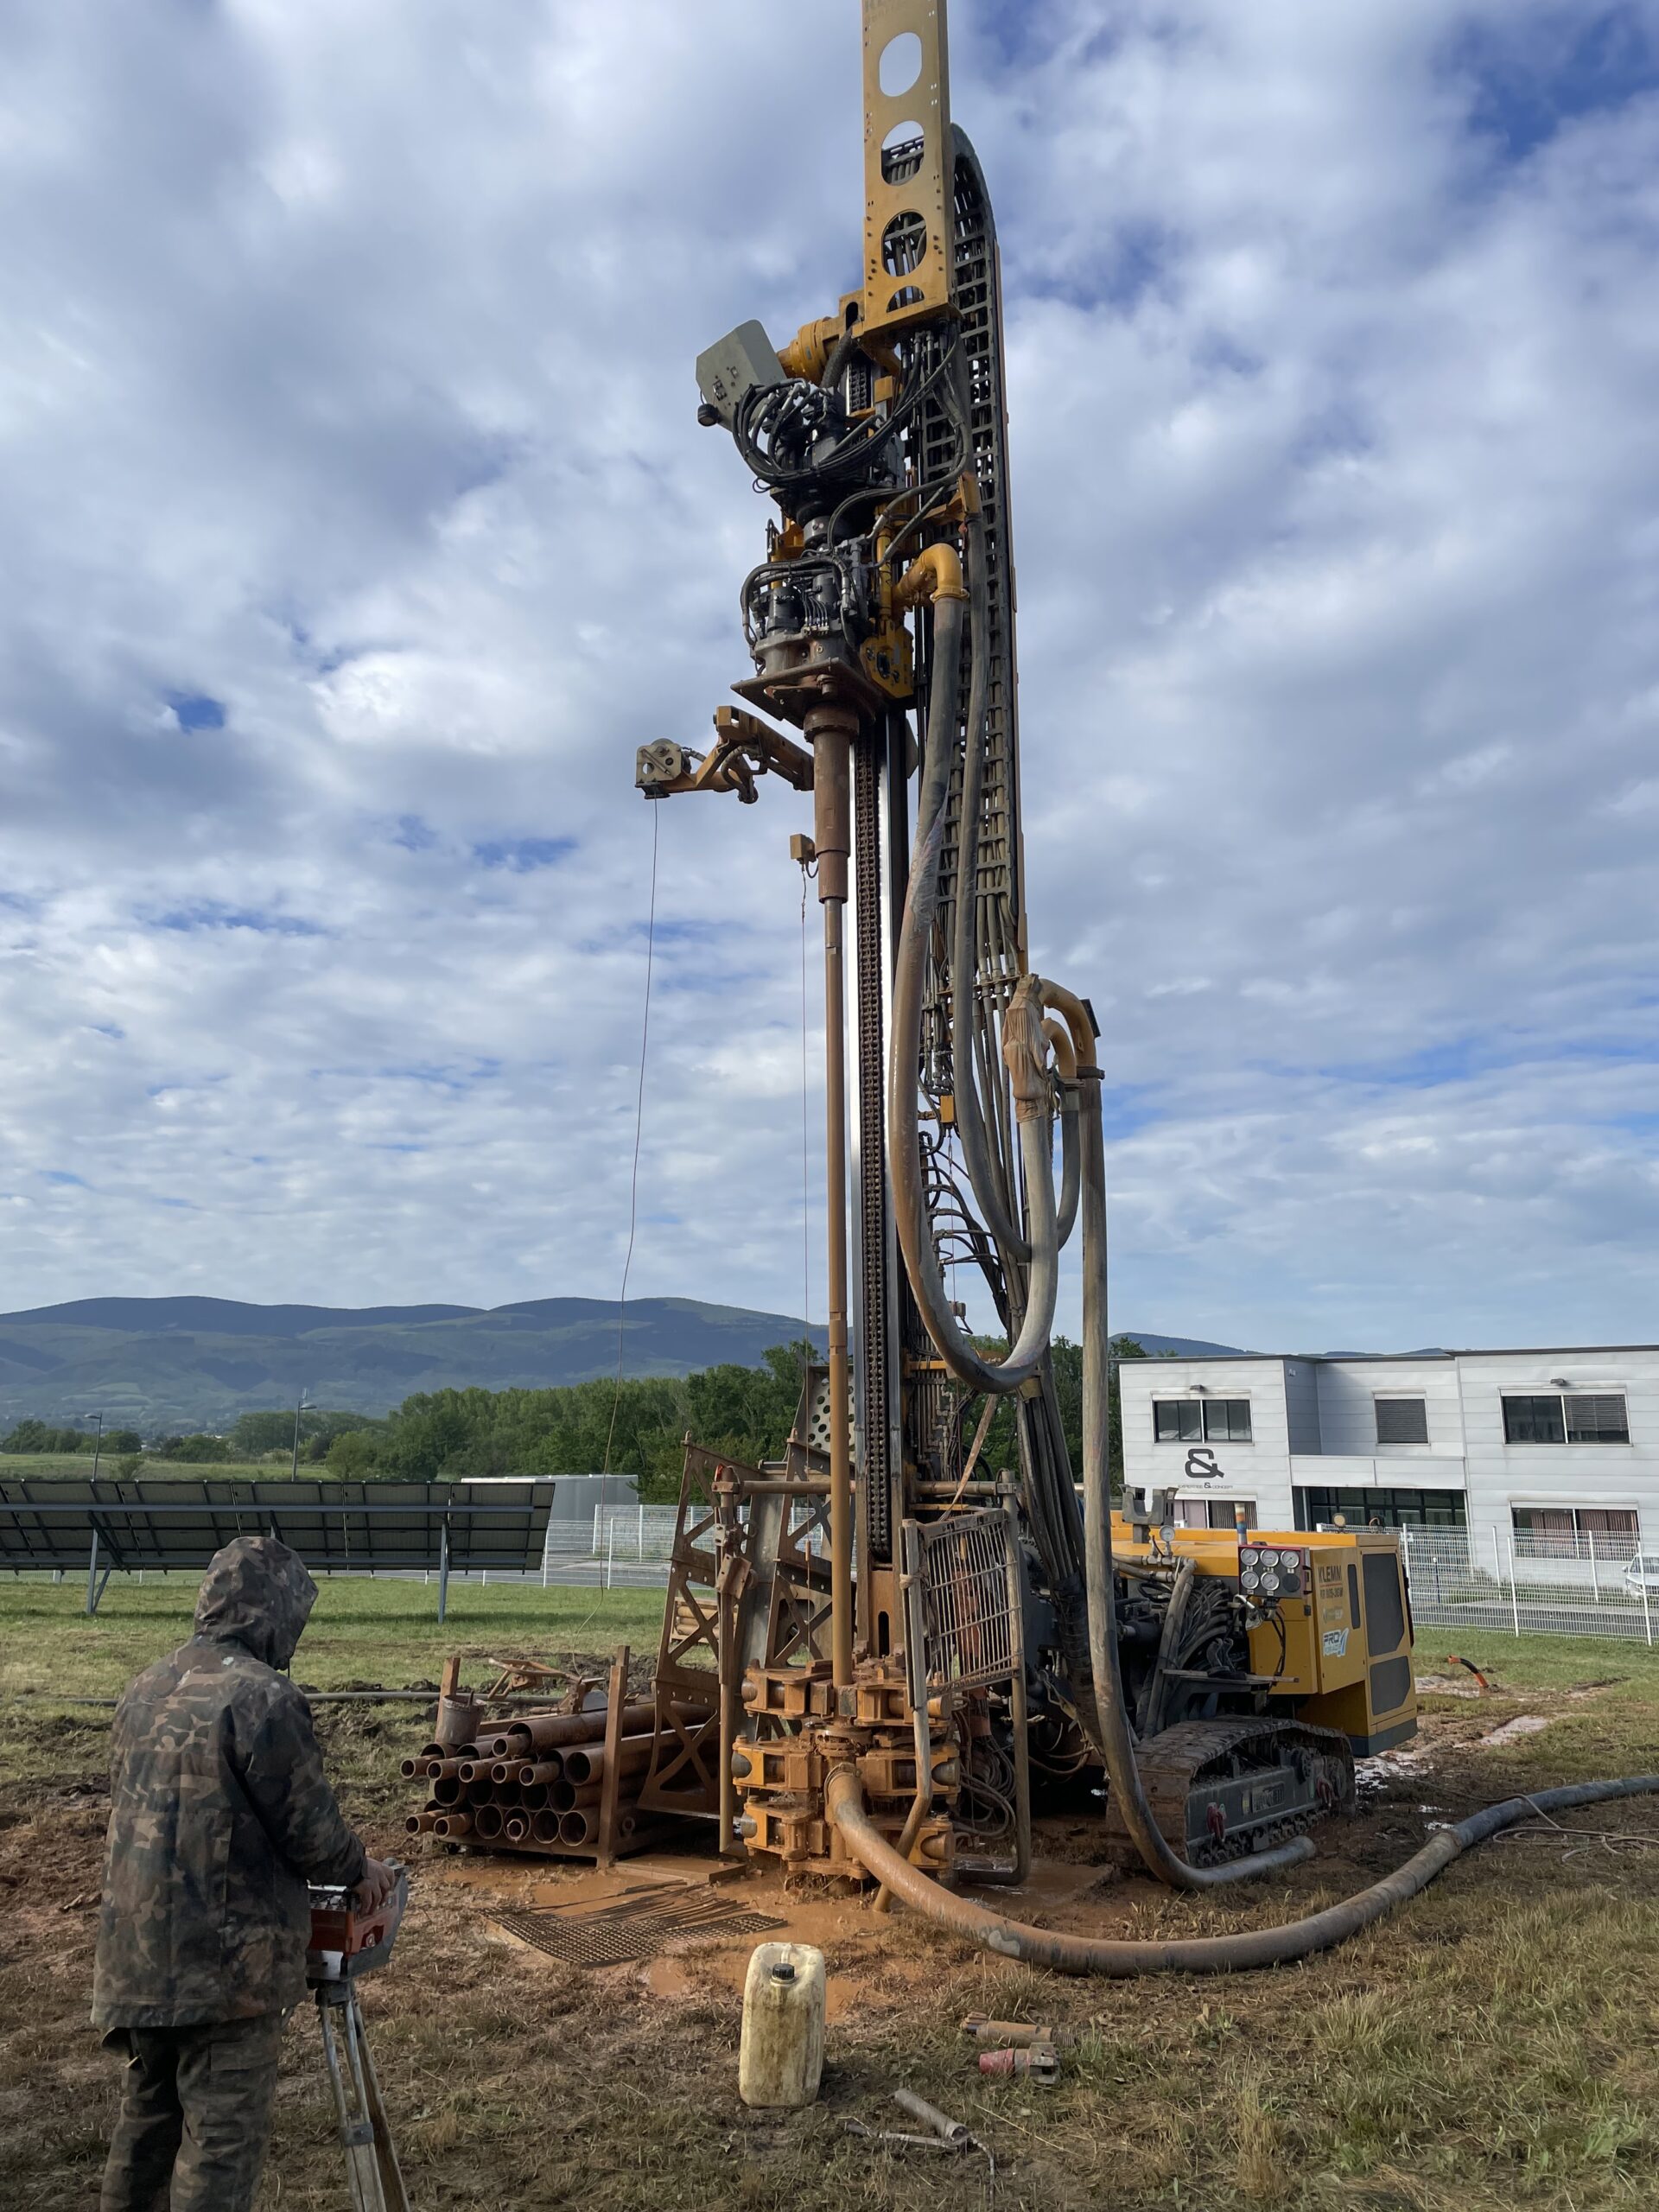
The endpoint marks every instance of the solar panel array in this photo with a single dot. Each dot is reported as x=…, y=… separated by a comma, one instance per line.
x=347, y=1527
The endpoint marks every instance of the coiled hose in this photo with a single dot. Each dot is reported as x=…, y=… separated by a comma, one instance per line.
x=1023, y=1045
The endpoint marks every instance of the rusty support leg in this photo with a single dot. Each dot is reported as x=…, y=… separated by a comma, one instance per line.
x=831, y=730
x=611, y=1781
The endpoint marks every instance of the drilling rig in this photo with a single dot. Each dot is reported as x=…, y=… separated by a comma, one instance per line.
x=882, y=1634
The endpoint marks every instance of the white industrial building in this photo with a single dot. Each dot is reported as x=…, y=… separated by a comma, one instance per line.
x=1543, y=1453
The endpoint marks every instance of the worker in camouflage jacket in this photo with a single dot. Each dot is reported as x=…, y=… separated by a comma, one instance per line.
x=219, y=1816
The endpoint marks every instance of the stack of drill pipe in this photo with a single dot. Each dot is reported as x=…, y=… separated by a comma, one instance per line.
x=533, y=1783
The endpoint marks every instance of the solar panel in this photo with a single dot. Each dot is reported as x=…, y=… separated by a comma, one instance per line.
x=339, y=1527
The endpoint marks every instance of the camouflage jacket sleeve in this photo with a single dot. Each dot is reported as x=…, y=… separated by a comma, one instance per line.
x=290, y=1795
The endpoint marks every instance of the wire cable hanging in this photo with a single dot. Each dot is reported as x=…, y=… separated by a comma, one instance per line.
x=639, y=1132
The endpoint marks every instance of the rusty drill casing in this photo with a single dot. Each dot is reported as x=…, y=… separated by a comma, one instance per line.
x=544, y=1826
x=584, y=1765
x=453, y=1824
x=551, y=1730
x=487, y=1821
x=533, y=1772
x=516, y=1827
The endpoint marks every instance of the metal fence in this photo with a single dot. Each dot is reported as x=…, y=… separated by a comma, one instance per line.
x=1530, y=1585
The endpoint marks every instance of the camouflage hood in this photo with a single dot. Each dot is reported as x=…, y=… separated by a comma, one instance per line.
x=256, y=1592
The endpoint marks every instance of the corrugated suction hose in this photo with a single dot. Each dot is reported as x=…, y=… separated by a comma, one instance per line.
x=1122, y=1958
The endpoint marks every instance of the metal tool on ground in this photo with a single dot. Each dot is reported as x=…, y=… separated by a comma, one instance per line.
x=955, y=2132
x=1036, y=2062
x=344, y=1945
x=1014, y=2035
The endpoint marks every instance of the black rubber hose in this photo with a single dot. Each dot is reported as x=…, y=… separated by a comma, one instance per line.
x=1112, y=1719
x=1022, y=1022
x=982, y=1178
x=1123, y=1959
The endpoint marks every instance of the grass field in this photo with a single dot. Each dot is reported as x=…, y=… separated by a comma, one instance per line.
x=75, y=1466
x=1495, y=2045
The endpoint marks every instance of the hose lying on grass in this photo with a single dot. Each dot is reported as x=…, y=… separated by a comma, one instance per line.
x=1123, y=1959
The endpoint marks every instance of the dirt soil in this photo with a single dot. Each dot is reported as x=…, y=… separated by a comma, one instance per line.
x=1495, y=2045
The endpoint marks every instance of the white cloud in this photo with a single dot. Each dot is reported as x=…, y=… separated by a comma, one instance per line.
x=347, y=383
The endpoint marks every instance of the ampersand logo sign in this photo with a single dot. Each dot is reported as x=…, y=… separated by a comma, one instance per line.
x=1201, y=1465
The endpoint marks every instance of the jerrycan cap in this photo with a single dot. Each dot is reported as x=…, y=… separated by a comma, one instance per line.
x=783, y=1971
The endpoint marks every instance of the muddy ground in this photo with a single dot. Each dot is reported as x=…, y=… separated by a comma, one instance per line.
x=1496, y=2043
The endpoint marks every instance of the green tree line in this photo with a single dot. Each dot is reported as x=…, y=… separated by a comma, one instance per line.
x=34, y=1436
x=637, y=1430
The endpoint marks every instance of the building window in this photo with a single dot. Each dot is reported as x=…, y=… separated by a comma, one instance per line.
x=1190, y=1420
x=1402, y=1420
x=1214, y=1512
x=1577, y=1531
x=1572, y=1418
x=1394, y=1509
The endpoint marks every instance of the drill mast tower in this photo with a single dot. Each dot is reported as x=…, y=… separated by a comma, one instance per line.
x=970, y=1626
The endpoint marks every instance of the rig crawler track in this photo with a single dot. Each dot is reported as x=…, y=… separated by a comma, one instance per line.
x=1219, y=1789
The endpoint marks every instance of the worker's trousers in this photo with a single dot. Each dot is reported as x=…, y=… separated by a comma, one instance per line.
x=195, y=2111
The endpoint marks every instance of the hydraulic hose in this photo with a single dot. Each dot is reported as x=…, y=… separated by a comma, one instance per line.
x=1122, y=1958
x=1116, y=1741
x=982, y=1178
x=934, y=575
x=1066, y=1058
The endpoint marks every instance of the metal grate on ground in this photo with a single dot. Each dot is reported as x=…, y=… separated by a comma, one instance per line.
x=606, y=1938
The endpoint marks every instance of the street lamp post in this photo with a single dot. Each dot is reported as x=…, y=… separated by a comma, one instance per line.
x=298, y=1410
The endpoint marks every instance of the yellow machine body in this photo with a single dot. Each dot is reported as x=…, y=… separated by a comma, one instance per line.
x=1346, y=1661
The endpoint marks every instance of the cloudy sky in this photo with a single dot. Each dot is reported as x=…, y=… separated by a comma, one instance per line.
x=356, y=528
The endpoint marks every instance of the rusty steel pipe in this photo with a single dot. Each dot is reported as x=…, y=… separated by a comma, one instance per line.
x=830, y=730
x=516, y=1827
x=544, y=1827
x=551, y=1730
x=633, y=1757
x=577, y=1828
x=453, y=1824
x=565, y=1797
x=536, y=1771
x=487, y=1821
x=421, y=1823
x=449, y=1793
x=536, y=1796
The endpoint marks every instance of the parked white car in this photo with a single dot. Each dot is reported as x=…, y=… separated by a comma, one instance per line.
x=1643, y=1575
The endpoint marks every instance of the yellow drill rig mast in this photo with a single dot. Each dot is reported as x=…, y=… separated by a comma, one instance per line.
x=974, y=1635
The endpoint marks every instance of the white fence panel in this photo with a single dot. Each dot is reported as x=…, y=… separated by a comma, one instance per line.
x=1529, y=1585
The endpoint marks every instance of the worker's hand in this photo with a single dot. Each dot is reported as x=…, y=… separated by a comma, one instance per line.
x=378, y=1884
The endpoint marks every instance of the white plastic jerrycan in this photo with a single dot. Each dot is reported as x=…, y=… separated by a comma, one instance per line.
x=780, y=2063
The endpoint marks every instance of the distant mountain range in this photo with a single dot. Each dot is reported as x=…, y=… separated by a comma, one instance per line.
x=186, y=1363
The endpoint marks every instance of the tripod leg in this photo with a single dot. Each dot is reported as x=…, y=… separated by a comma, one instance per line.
x=394, y=2195
x=350, y=2104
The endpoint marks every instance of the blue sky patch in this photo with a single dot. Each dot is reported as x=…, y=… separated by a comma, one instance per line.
x=195, y=711
x=524, y=854
x=1530, y=80
x=61, y=1179
x=213, y=914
